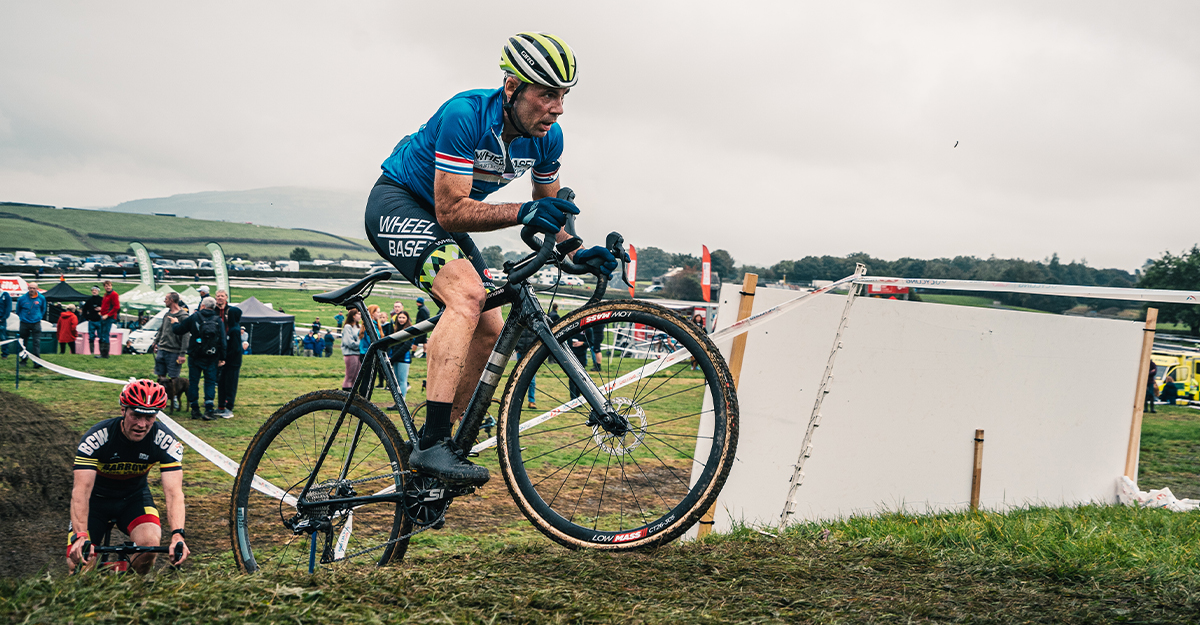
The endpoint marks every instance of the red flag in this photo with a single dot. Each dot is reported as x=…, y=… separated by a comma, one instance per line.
x=632, y=271
x=706, y=275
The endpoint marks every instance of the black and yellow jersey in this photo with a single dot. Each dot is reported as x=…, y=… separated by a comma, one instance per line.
x=120, y=464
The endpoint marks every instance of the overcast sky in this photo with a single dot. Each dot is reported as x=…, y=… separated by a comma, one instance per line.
x=771, y=129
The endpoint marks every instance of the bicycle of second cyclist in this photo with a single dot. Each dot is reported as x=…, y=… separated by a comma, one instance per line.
x=627, y=457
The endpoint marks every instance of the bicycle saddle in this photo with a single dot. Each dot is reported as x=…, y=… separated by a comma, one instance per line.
x=358, y=289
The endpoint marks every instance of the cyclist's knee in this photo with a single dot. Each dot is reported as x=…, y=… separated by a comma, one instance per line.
x=459, y=287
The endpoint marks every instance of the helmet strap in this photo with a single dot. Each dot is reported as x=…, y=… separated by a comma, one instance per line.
x=512, y=115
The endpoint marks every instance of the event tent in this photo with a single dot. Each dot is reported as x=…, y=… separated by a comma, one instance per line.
x=58, y=298
x=63, y=292
x=191, y=298
x=270, y=331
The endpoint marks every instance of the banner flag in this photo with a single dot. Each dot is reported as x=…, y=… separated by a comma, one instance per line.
x=143, y=258
x=706, y=275
x=220, y=270
x=632, y=272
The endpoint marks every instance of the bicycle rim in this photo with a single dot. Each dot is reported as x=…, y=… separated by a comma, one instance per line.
x=584, y=486
x=284, y=453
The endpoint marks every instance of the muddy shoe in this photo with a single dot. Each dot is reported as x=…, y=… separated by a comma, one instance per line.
x=449, y=464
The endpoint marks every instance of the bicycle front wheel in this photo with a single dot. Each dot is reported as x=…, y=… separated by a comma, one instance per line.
x=585, y=486
x=366, y=457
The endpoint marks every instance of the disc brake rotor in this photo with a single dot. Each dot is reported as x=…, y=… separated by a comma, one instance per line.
x=620, y=445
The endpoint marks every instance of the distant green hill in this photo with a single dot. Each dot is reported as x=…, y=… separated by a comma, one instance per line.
x=44, y=230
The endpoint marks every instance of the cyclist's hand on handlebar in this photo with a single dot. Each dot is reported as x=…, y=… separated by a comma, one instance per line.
x=547, y=215
x=180, y=547
x=76, y=553
x=598, y=258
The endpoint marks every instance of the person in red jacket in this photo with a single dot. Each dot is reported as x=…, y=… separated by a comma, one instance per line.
x=67, y=329
x=110, y=307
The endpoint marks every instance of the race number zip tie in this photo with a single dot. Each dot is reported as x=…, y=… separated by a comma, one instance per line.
x=223, y=462
x=677, y=356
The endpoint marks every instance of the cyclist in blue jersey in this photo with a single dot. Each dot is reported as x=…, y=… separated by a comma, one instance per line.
x=430, y=196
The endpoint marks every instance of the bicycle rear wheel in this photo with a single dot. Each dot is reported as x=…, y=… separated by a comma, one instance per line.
x=269, y=533
x=586, y=487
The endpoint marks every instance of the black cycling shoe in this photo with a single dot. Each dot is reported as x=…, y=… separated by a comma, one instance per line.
x=447, y=463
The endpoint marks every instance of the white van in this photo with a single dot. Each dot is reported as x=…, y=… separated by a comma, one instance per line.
x=25, y=256
x=185, y=264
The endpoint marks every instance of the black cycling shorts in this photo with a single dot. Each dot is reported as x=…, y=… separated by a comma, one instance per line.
x=126, y=513
x=403, y=229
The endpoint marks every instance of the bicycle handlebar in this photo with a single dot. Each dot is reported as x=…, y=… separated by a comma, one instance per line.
x=545, y=250
x=135, y=549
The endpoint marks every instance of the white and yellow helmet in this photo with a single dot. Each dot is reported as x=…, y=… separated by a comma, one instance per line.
x=539, y=58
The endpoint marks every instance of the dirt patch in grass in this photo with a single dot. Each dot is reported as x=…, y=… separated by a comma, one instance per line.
x=35, y=484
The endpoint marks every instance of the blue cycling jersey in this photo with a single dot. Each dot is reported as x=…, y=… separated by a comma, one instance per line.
x=464, y=137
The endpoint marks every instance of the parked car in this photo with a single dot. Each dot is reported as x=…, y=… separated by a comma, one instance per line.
x=204, y=264
x=653, y=288
x=142, y=338
x=263, y=266
x=571, y=281
x=185, y=264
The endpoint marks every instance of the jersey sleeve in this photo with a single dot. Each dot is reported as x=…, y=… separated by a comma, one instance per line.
x=457, y=136
x=87, y=454
x=168, y=451
x=545, y=171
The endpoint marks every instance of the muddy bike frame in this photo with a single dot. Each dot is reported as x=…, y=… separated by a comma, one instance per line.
x=527, y=315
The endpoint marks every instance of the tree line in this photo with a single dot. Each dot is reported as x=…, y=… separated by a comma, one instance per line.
x=1170, y=271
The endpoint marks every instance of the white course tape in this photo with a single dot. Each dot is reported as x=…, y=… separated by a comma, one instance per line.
x=1065, y=290
x=219, y=459
x=675, y=357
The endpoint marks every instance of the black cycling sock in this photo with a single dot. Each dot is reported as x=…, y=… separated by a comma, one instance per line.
x=437, y=423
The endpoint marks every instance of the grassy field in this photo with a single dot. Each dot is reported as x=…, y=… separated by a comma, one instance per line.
x=1071, y=565
x=48, y=230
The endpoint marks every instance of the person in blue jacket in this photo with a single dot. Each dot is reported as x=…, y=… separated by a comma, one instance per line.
x=31, y=309
x=5, y=311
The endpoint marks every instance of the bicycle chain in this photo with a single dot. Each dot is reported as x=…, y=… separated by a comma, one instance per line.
x=420, y=528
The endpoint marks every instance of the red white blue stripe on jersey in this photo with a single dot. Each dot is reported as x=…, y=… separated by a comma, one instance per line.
x=453, y=164
x=545, y=178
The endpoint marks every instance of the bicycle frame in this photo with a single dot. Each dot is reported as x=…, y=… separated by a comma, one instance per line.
x=527, y=315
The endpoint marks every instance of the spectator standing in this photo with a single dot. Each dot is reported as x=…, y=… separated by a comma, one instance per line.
x=524, y=344
x=245, y=341
x=319, y=343
x=1170, y=392
x=422, y=315
x=401, y=354
x=316, y=326
x=110, y=308
x=329, y=344
x=579, y=347
x=397, y=308
x=308, y=343
x=381, y=322
x=170, y=348
x=67, y=330
x=554, y=316
x=227, y=378
x=91, y=314
x=1151, y=390
x=31, y=309
x=340, y=319
x=595, y=336
x=6, y=308
x=206, y=354
x=350, y=349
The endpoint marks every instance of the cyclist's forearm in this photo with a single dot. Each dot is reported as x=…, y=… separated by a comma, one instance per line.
x=81, y=494
x=172, y=483
x=467, y=215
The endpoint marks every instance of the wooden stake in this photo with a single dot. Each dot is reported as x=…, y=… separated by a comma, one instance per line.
x=1139, y=397
x=745, y=308
x=975, y=474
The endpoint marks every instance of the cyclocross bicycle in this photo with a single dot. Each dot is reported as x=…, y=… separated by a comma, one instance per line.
x=625, y=458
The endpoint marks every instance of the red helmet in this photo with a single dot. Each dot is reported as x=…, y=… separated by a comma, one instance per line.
x=144, y=396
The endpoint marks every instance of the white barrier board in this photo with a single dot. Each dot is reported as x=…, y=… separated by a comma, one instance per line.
x=912, y=383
